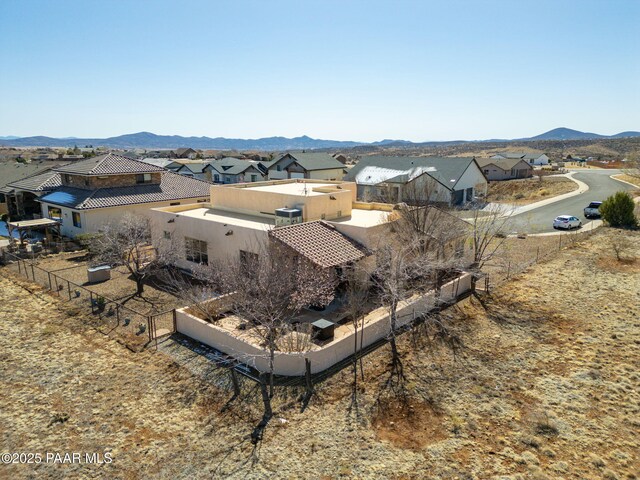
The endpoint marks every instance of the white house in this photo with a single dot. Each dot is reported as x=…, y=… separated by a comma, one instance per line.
x=450, y=180
x=530, y=158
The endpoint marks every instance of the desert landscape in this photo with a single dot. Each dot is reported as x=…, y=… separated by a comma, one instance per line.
x=543, y=383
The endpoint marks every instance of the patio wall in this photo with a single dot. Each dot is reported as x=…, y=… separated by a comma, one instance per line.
x=293, y=364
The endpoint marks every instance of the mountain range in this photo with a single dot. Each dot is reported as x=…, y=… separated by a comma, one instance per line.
x=149, y=140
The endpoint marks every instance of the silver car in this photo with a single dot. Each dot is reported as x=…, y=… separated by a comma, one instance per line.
x=567, y=222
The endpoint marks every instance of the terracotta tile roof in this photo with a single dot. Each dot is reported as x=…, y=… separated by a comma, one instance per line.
x=109, y=164
x=171, y=187
x=320, y=243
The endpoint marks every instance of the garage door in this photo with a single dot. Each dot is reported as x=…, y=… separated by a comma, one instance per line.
x=297, y=175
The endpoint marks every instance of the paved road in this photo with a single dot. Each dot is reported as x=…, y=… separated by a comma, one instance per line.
x=540, y=219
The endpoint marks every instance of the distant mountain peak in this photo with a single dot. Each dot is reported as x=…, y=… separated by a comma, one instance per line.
x=150, y=140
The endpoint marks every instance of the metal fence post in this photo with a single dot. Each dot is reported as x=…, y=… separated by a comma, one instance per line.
x=49, y=277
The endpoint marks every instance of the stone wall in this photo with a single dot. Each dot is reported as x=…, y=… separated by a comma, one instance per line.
x=91, y=182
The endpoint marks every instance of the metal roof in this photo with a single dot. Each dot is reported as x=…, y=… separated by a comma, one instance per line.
x=447, y=170
x=310, y=161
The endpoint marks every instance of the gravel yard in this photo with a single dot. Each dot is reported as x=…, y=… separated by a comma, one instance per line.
x=546, y=385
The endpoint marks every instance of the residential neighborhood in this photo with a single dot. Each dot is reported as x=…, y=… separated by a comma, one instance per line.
x=343, y=241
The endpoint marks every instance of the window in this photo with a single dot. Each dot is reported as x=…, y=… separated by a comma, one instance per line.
x=76, y=219
x=254, y=178
x=486, y=170
x=167, y=235
x=55, y=213
x=196, y=251
x=143, y=178
x=66, y=178
x=173, y=204
x=201, y=200
x=279, y=168
x=227, y=179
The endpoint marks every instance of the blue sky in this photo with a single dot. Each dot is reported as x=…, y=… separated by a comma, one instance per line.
x=344, y=70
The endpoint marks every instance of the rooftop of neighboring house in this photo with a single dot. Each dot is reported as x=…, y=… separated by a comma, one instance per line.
x=308, y=161
x=233, y=166
x=38, y=183
x=519, y=155
x=171, y=187
x=503, y=163
x=109, y=164
x=379, y=169
x=13, y=171
x=206, y=213
x=160, y=162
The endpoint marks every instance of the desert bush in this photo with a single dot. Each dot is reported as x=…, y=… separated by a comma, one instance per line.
x=617, y=210
x=622, y=246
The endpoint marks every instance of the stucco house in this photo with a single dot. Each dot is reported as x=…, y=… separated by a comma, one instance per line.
x=505, y=168
x=447, y=180
x=320, y=166
x=530, y=158
x=320, y=220
x=99, y=190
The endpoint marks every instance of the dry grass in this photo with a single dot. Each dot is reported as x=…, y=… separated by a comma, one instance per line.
x=633, y=179
x=547, y=386
x=525, y=191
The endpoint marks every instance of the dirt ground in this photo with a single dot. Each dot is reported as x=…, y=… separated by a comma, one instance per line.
x=545, y=384
x=72, y=266
x=525, y=191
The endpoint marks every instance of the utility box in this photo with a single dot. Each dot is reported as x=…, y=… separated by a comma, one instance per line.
x=100, y=273
x=288, y=216
x=323, y=329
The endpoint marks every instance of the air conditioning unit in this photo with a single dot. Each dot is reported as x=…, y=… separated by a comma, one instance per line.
x=288, y=216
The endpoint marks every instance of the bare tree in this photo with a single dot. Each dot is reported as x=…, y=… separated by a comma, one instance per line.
x=128, y=243
x=488, y=233
x=357, y=296
x=269, y=289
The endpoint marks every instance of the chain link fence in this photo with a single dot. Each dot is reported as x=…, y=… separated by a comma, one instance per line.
x=137, y=330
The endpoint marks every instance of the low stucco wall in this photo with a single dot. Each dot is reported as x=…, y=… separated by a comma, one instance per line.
x=293, y=364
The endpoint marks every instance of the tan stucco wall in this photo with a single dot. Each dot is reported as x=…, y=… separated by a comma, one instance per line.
x=220, y=246
x=331, y=174
x=246, y=200
x=377, y=326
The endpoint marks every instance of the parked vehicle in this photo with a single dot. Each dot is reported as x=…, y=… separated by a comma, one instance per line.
x=592, y=210
x=567, y=222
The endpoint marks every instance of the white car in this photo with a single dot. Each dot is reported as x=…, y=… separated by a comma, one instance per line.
x=567, y=222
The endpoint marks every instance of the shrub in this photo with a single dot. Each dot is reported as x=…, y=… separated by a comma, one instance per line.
x=617, y=210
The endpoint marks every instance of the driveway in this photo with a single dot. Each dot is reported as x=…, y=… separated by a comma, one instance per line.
x=540, y=219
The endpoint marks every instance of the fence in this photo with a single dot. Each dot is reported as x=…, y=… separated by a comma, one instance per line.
x=499, y=273
x=137, y=330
